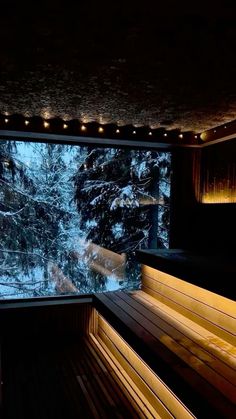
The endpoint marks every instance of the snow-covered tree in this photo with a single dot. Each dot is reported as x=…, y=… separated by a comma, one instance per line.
x=63, y=208
x=119, y=193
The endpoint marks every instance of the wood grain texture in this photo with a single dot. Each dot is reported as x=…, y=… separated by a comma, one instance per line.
x=175, y=351
x=63, y=381
x=165, y=403
x=214, y=312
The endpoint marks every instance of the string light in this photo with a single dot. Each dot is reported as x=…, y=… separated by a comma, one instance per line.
x=100, y=129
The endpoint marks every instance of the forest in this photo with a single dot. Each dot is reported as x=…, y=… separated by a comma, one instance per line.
x=72, y=216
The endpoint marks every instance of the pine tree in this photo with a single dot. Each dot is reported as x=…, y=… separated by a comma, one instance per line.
x=118, y=195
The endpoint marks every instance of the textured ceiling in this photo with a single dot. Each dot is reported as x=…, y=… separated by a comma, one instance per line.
x=144, y=63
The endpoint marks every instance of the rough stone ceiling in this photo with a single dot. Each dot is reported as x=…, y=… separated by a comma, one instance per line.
x=169, y=64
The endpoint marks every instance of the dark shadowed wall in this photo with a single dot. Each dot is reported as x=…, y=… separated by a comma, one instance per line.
x=203, y=200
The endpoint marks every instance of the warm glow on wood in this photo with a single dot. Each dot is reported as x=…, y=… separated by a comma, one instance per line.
x=212, y=311
x=223, y=196
x=125, y=383
x=158, y=396
x=198, y=334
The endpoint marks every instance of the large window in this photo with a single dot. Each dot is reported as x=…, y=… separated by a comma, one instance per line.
x=72, y=217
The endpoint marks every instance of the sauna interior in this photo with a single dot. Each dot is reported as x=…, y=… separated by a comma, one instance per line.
x=117, y=209
x=163, y=349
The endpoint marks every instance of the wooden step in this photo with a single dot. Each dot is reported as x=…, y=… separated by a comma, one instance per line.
x=150, y=389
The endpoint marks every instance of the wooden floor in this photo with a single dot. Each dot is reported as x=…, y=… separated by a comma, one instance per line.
x=60, y=381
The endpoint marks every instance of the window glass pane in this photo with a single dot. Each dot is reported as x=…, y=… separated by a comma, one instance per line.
x=72, y=217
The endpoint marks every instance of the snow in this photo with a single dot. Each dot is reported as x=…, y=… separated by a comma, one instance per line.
x=118, y=230
x=41, y=224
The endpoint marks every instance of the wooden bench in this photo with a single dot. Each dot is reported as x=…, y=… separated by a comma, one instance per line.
x=185, y=334
x=147, y=393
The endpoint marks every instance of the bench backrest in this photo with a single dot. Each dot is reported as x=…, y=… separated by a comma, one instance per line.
x=212, y=311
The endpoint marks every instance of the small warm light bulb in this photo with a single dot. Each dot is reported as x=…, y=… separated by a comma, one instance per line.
x=6, y=120
x=134, y=132
x=46, y=124
x=181, y=136
x=165, y=135
x=150, y=133
x=214, y=131
x=83, y=128
x=225, y=127
x=195, y=136
x=100, y=129
x=65, y=126
x=26, y=122
x=117, y=131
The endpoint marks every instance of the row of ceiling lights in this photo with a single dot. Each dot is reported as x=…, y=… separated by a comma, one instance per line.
x=101, y=130
x=83, y=128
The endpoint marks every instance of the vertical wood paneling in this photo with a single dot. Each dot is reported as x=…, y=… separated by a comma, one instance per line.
x=219, y=173
x=69, y=320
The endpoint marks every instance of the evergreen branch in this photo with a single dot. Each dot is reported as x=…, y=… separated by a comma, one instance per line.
x=25, y=253
x=18, y=191
x=20, y=284
x=11, y=214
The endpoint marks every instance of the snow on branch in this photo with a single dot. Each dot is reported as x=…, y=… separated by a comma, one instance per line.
x=12, y=214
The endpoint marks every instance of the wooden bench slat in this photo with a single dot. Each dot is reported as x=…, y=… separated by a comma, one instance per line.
x=207, y=340
x=125, y=383
x=151, y=337
x=113, y=385
x=170, y=338
x=218, y=302
x=110, y=386
x=152, y=406
x=86, y=382
x=205, y=310
x=184, y=339
x=184, y=305
x=159, y=394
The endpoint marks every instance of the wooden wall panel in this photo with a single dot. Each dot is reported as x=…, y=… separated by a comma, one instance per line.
x=51, y=321
x=218, y=173
x=204, y=198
